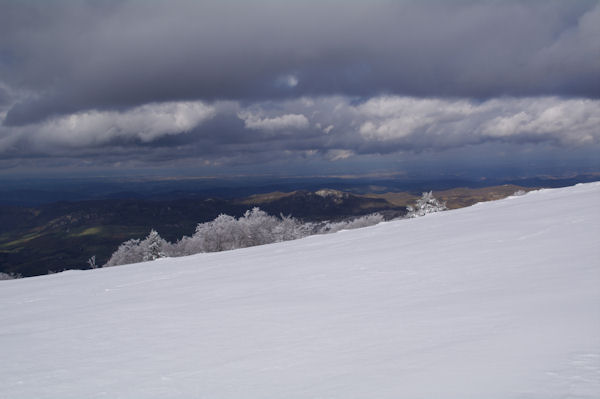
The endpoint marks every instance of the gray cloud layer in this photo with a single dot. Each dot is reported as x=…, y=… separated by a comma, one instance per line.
x=66, y=56
x=224, y=82
x=332, y=127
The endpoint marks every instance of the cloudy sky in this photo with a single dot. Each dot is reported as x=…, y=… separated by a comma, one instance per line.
x=300, y=87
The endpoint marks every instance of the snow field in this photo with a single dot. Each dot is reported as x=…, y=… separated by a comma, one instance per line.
x=498, y=300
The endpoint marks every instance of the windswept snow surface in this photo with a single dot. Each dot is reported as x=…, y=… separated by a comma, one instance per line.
x=499, y=300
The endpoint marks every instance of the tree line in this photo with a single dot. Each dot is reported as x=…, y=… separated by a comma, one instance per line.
x=255, y=227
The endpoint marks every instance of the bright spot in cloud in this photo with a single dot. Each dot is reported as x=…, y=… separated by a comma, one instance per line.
x=283, y=122
x=289, y=81
x=336, y=155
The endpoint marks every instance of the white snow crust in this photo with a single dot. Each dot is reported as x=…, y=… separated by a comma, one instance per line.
x=498, y=300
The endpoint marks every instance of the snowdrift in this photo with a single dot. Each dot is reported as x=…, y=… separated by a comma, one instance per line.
x=499, y=300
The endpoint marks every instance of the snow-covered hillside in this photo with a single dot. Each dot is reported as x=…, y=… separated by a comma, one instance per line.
x=499, y=300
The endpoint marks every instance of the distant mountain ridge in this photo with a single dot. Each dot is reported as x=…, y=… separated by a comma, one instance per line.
x=64, y=235
x=36, y=192
x=324, y=204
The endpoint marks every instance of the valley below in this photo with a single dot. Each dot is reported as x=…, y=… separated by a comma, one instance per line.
x=59, y=236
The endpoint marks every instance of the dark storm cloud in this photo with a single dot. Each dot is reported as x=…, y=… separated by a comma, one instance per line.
x=62, y=57
x=339, y=85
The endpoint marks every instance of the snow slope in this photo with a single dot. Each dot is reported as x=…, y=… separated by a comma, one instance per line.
x=499, y=300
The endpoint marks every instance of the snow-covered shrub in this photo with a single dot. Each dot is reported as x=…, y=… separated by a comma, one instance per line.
x=261, y=228
x=255, y=227
x=92, y=262
x=128, y=252
x=226, y=232
x=9, y=276
x=221, y=234
x=519, y=193
x=186, y=246
x=135, y=250
x=291, y=229
x=363, y=221
x=424, y=205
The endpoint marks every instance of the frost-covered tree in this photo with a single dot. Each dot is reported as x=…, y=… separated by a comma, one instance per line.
x=255, y=227
x=135, y=250
x=426, y=204
x=9, y=276
x=187, y=246
x=128, y=252
x=289, y=228
x=219, y=235
x=258, y=228
x=153, y=246
x=92, y=262
x=226, y=232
